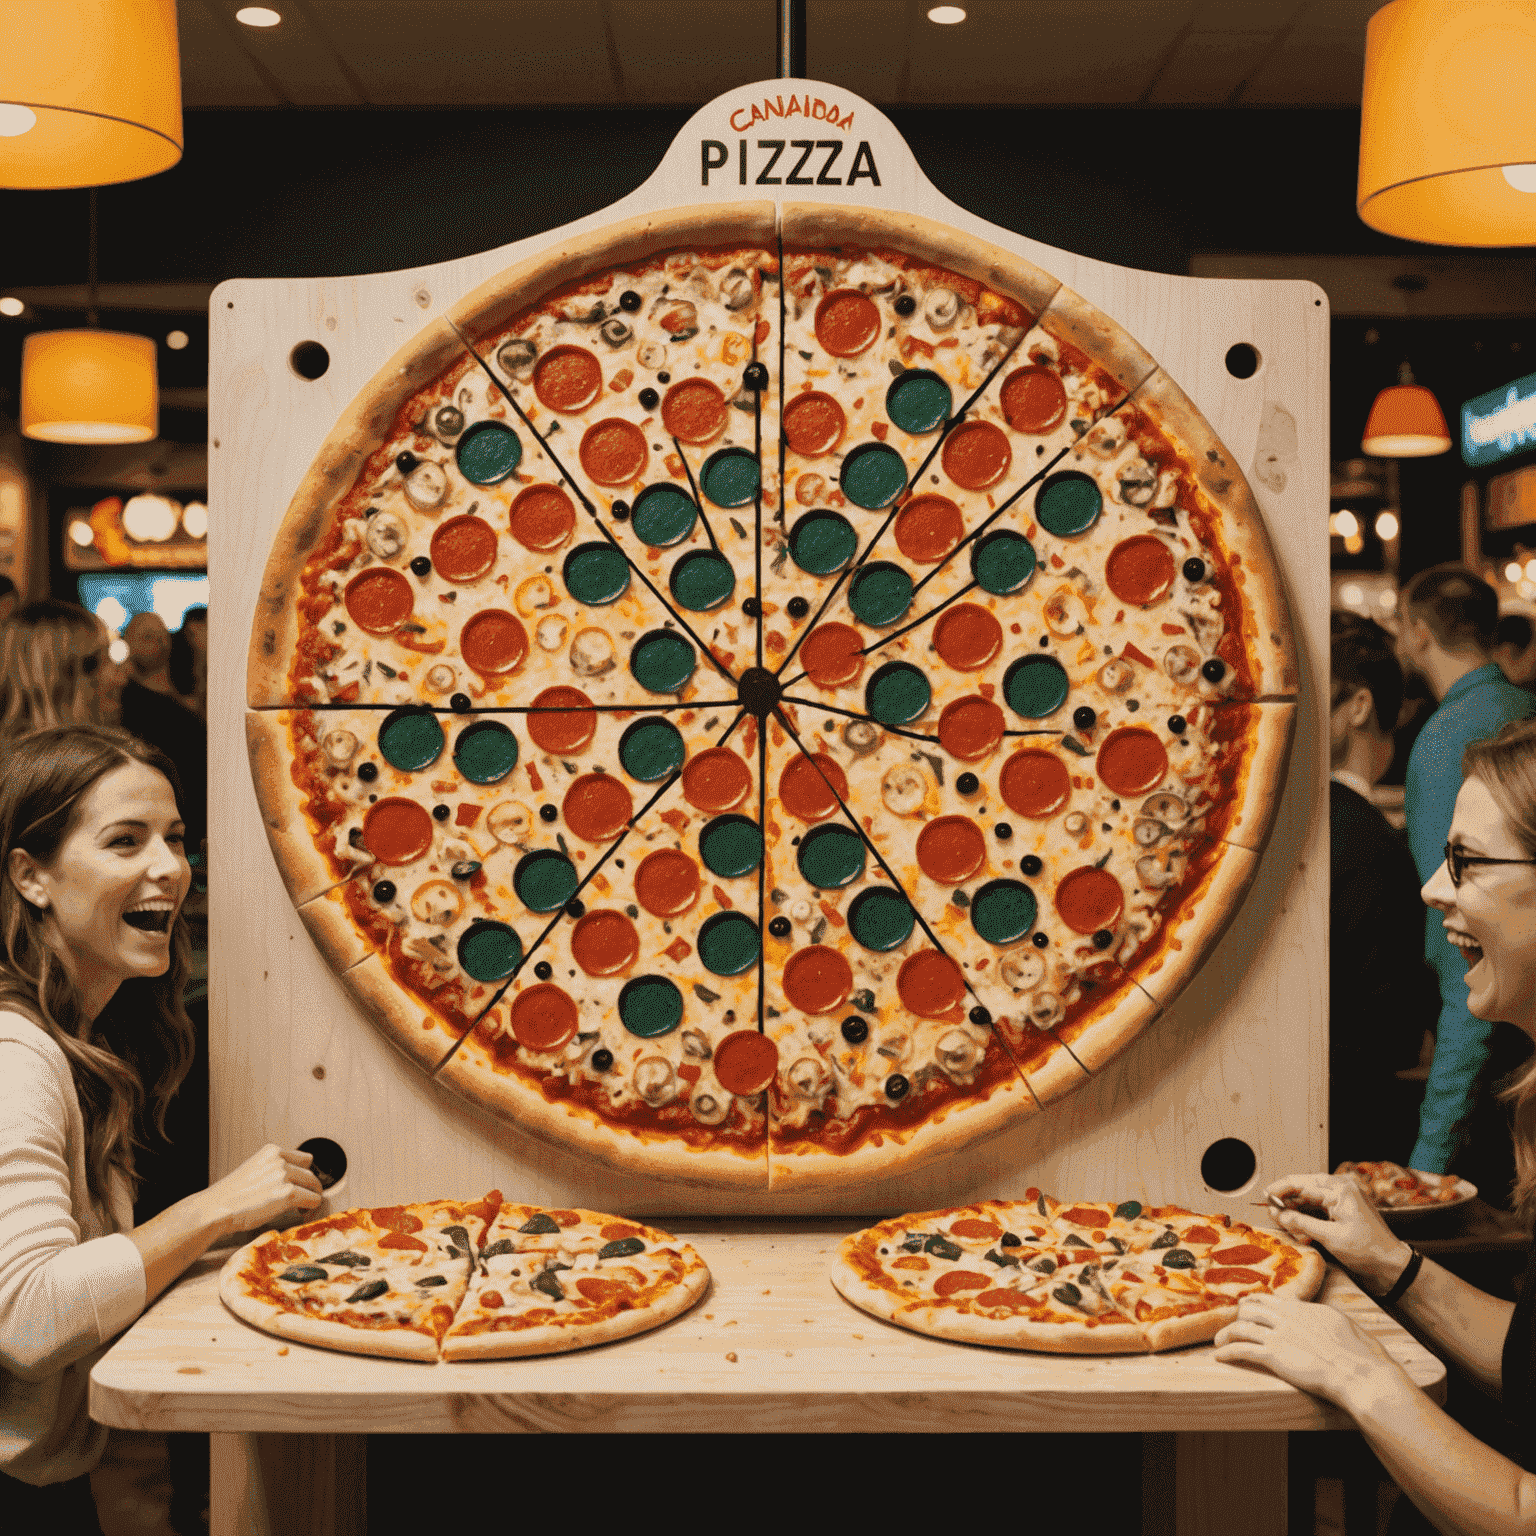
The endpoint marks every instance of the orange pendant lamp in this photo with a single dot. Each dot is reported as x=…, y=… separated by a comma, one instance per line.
x=90, y=92
x=1448, y=122
x=1406, y=422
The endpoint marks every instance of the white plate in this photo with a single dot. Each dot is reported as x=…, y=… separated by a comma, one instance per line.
x=1464, y=1193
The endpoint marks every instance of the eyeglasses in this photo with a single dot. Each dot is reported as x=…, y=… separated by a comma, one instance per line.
x=1457, y=858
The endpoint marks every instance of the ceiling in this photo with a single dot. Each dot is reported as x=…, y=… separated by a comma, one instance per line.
x=523, y=53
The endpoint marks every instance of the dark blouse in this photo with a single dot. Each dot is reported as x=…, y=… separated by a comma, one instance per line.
x=1518, y=1371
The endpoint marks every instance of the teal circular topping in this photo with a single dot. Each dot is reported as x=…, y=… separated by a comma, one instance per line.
x=486, y=752
x=650, y=1006
x=880, y=593
x=1002, y=562
x=544, y=880
x=596, y=573
x=873, y=476
x=897, y=694
x=410, y=739
x=831, y=857
x=731, y=846
x=488, y=452
x=663, y=515
x=731, y=477
x=1069, y=503
x=822, y=542
x=918, y=401
x=1035, y=686
x=1003, y=911
x=881, y=920
x=651, y=749
x=702, y=580
x=729, y=944
x=489, y=951
x=662, y=661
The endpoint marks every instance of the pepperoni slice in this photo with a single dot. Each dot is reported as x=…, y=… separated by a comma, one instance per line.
x=967, y=636
x=958, y=1280
x=694, y=411
x=1132, y=760
x=597, y=807
x=1035, y=783
x=666, y=882
x=613, y=452
x=1139, y=570
x=605, y=943
x=951, y=849
x=493, y=641
x=1220, y=1275
x=976, y=454
x=745, y=1062
x=716, y=780
x=568, y=378
x=397, y=830
x=1034, y=399
x=971, y=727
x=847, y=322
x=542, y=517
x=804, y=791
x=379, y=600
x=929, y=984
x=1090, y=899
x=814, y=423
x=817, y=979
x=1244, y=1253
x=832, y=655
x=928, y=527
x=463, y=548
x=543, y=1017
x=567, y=731
x=976, y=1226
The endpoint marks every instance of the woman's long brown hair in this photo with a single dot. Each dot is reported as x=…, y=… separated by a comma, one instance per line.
x=46, y=674
x=143, y=1034
x=1506, y=765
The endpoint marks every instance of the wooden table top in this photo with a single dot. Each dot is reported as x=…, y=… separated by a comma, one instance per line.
x=772, y=1346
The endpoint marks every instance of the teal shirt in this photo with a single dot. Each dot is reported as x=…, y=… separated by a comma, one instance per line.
x=1475, y=706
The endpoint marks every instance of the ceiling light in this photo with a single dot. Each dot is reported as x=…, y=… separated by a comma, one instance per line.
x=150, y=519
x=11, y=305
x=257, y=16
x=1406, y=422
x=16, y=120
x=1346, y=524
x=1513, y=571
x=1386, y=526
x=1352, y=593
x=111, y=613
x=177, y=340
x=946, y=15
x=88, y=386
x=1521, y=177
x=117, y=649
x=1353, y=543
x=1387, y=598
x=1530, y=569
x=80, y=533
x=194, y=518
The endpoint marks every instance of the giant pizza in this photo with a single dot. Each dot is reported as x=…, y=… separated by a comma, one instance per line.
x=769, y=696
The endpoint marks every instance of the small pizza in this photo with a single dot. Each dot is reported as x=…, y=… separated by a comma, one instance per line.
x=1392, y=1187
x=1086, y=1278
x=769, y=696
x=456, y=1280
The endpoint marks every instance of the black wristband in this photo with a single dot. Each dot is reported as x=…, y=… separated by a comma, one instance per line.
x=1409, y=1275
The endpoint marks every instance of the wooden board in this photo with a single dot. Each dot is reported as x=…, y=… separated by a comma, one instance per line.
x=771, y=1347
x=1243, y=1052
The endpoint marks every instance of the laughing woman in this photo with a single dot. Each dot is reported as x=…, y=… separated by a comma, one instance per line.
x=93, y=962
x=1486, y=889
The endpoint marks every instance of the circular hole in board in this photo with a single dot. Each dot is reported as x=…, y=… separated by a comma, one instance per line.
x=1228, y=1165
x=1243, y=360
x=309, y=360
x=329, y=1163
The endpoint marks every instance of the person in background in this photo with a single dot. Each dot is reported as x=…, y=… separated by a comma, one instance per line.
x=1513, y=649
x=93, y=968
x=189, y=661
x=10, y=598
x=1381, y=995
x=54, y=668
x=1448, y=619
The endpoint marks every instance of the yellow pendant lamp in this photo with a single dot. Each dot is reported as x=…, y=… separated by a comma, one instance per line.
x=1406, y=422
x=90, y=92
x=1448, y=122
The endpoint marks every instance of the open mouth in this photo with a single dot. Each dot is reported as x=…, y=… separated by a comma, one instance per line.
x=1471, y=950
x=149, y=919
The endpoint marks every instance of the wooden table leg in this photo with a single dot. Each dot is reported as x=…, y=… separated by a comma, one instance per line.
x=1215, y=1474
x=272, y=1485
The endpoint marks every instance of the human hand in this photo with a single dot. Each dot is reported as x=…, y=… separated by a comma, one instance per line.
x=263, y=1186
x=1353, y=1231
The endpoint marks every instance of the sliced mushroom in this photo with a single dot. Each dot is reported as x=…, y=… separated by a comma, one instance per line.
x=904, y=789
x=551, y=632
x=654, y=1080
x=1138, y=482
x=941, y=308
x=339, y=746
x=436, y=901
x=1157, y=871
x=860, y=736
x=1065, y=612
x=1207, y=627
x=1182, y=663
x=592, y=653
x=426, y=487
x=439, y=678
x=1116, y=675
x=517, y=357
x=616, y=332
x=695, y=1045
x=533, y=595
x=809, y=1077
x=736, y=289
x=895, y=1047
x=1149, y=833
x=1107, y=438
x=1076, y=823
x=510, y=821
x=447, y=422
x=1166, y=807
x=387, y=535
x=652, y=355
x=677, y=317
x=1022, y=969
x=801, y=911
x=1045, y=1009
x=958, y=1053
x=709, y=1106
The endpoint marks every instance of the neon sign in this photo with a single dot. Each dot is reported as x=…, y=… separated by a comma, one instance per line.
x=1500, y=423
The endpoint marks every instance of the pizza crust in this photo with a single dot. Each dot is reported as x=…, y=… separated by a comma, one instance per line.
x=336, y=934
x=1256, y=795
x=420, y=1036
x=1106, y=343
x=1097, y=1040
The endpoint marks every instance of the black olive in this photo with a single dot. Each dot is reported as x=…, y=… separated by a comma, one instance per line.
x=967, y=784
x=546, y=1285
x=1128, y=1210
x=755, y=377
x=440, y=813
x=629, y=301
x=539, y=1222
x=1103, y=939
x=1040, y=941
x=347, y=1257
x=620, y=510
x=1068, y=1294
x=980, y=1015
x=460, y=704
x=992, y=1256
x=464, y=869
x=384, y=892
x=1213, y=671
x=938, y=1245
x=549, y=813
x=855, y=1031
x=300, y=1274
x=602, y=1059
x=1030, y=864
x=905, y=304
x=1167, y=1239
x=406, y=462
x=798, y=607
x=421, y=566
x=1178, y=1258
x=1002, y=832
x=1008, y=1240
x=1194, y=570
x=431, y=1280
x=621, y=1248
x=367, y=772
x=369, y=1290
x=1044, y=1266
x=500, y=1246
x=1084, y=718
x=543, y=970
x=1074, y=1241
x=1177, y=724
x=649, y=399
x=896, y=1088
x=664, y=377
x=751, y=607
x=575, y=908
x=779, y=927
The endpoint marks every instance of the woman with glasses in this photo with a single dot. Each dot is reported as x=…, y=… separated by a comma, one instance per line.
x=1485, y=891
x=55, y=670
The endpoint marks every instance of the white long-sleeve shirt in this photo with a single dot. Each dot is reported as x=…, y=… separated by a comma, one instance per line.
x=69, y=1278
